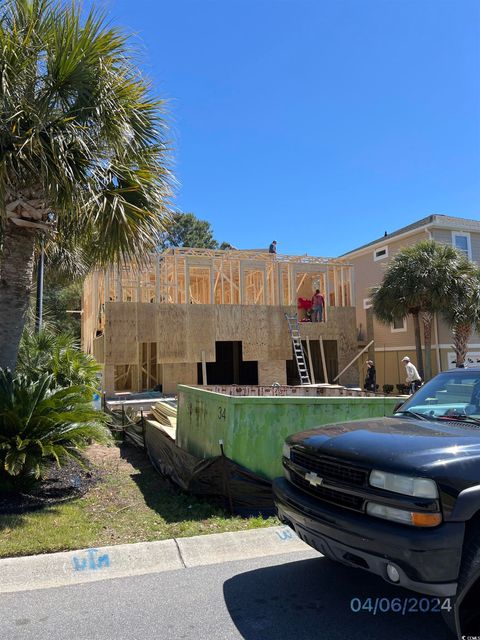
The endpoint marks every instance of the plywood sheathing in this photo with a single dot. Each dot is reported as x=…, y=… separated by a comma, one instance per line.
x=275, y=371
x=98, y=349
x=170, y=333
x=201, y=332
x=120, y=333
x=174, y=372
x=174, y=308
x=228, y=323
x=254, y=325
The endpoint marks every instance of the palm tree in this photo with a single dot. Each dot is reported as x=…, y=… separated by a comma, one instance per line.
x=58, y=355
x=40, y=424
x=463, y=313
x=420, y=280
x=82, y=149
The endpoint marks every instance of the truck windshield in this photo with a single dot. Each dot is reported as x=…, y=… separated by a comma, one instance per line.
x=448, y=395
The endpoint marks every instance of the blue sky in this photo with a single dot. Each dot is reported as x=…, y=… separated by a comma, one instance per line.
x=320, y=123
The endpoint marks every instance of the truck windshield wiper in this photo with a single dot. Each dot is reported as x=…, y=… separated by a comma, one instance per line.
x=458, y=418
x=414, y=414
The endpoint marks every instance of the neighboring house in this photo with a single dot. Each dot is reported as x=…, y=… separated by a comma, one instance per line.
x=194, y=316
x=397, y=340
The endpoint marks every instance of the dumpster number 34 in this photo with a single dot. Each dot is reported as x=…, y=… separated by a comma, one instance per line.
x=221, y=413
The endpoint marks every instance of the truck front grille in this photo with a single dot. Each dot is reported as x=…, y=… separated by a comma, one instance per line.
x=326, y=494
x=330, y=468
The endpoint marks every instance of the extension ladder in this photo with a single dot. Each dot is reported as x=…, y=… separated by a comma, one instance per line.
x=294, y=330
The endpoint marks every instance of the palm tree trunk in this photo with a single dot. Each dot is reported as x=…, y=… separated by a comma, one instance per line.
x=16, y=271
x=418, y=343
x=461, y=335
x=427, y=319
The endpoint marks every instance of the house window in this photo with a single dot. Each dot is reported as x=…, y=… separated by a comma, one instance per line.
x=399, y=324
x=380, y=254
x=461, y=241
x=367, y=303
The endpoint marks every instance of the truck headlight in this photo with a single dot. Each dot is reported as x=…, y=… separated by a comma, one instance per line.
x=286, y=450
x=408, y=486
x=413, y=518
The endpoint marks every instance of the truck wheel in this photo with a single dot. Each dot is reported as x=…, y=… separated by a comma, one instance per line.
x=464, y=618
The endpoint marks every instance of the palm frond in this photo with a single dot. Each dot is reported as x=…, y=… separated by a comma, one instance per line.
x=39, y=424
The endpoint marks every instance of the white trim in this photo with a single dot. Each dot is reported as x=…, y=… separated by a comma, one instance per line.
x=438, y=223
x=384, y=255
x=475, y=345
x=393, y=238
x=457, y=223
x=466, y=235
x=413, y=348
x=367, y=303
x=402, y=330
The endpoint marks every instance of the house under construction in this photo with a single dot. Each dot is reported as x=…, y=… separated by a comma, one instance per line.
x=198, y=316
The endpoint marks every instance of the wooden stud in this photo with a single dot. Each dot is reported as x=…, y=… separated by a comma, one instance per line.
x=157, y=280
x=310, y=361
x=342, y=285
x=324, y=363
x=106, y=292
x=204, y=369
x=335, y=285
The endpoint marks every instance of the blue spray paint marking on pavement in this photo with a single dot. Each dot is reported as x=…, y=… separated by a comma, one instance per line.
x=286, y=534
x=91, y=562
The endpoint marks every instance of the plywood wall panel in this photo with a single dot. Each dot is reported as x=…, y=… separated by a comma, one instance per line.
x=147, y=321
x=200, y=332
x=279, y=342
x=273, y=371
x=181, y=373
x=99, y=349
x=228, y=322
x=255, y=333
x=171, y=330
x=120, y=333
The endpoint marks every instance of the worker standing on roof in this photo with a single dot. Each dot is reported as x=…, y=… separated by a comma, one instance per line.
x=273, y=247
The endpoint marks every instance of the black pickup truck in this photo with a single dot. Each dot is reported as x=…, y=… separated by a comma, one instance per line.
x=397, y=496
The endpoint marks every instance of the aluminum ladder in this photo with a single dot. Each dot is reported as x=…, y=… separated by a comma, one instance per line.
x=294, y=331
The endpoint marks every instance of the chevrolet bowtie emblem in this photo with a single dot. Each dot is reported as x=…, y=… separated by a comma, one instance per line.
x=313, y=479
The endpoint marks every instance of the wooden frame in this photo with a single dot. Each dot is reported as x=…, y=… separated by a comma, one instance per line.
x=208, y=281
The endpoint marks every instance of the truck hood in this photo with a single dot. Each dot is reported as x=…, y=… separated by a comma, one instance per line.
x=395, y=443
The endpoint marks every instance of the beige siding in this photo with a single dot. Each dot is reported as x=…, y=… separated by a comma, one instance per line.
x=475, y=243
x=391, y=346
x=442, y=235
x=445, y=237
x=445, y=335
x=369, y=273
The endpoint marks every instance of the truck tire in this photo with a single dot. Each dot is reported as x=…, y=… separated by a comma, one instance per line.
x=464, y=617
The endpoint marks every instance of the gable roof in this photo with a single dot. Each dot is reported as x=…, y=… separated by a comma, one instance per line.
x=434, y=220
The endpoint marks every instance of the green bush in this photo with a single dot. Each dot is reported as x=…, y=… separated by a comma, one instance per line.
x=39, y=425
x=59, y=355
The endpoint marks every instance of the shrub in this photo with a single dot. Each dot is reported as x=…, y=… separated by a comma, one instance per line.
x=59, y=355
x=39, y=425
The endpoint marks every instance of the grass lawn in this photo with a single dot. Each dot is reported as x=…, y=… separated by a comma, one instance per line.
x=131, y=503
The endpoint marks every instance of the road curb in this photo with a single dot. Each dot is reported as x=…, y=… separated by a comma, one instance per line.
x=104, y=563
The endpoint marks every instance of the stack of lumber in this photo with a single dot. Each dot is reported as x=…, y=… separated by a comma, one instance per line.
x=165, y=412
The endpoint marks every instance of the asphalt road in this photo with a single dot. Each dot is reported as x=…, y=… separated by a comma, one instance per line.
x=295, y=596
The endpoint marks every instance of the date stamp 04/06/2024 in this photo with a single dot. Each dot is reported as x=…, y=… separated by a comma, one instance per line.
x=401, y=606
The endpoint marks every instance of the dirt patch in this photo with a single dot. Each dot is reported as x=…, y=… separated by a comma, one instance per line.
x=69, y=481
